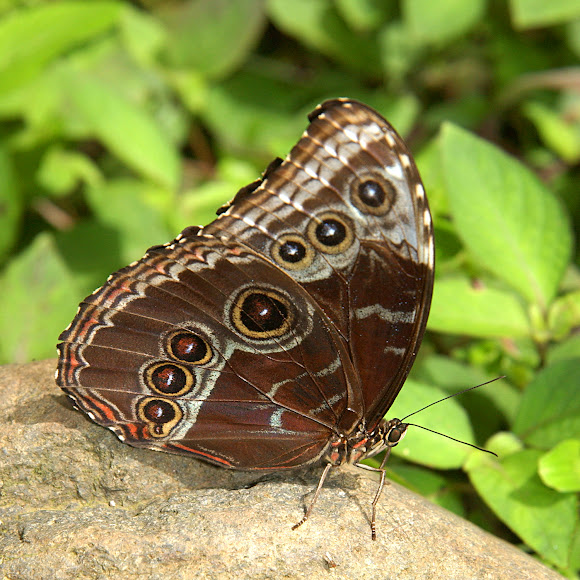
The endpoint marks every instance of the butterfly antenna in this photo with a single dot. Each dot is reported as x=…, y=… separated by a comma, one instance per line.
x=444, y=399
x=453, y=438
x=449, y=397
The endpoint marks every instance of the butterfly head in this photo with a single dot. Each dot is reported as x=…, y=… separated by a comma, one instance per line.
x=387, y=435
x=393, y=432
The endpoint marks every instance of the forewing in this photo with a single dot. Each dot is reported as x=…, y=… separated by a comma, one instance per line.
x=345, y=214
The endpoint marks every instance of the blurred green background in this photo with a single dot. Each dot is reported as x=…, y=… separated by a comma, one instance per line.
x=123, y=122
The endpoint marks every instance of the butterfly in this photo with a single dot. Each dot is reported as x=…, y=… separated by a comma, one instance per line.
x=279, y=335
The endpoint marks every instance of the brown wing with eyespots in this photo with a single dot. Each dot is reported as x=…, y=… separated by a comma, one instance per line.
x=346, y=216
x=291, y=318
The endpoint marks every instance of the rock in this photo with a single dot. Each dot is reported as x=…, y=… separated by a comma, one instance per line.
x=77, y=503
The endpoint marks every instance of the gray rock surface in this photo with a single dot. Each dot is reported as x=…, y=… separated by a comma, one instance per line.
x=76, y=503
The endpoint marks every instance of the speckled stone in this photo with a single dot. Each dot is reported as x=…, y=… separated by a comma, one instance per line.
x=75, y=503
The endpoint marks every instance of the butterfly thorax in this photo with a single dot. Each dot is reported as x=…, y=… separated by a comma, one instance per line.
x=364, y=444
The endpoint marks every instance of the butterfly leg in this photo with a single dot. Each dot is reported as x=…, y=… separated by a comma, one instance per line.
x=382, y=471
x=316, y=494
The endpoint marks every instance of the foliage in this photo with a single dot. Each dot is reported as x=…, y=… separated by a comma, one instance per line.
x=117, y=133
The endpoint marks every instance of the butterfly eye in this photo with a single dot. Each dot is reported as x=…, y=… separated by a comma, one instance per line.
x=262, y=314
x=375, y=197
x=292, y=252
x=160, y=415
x=396, y=434
x=189, y=347
x=331, y=233
x=169, y=379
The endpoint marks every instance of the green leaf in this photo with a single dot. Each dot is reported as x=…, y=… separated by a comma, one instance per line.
x=192, y=88
x=398, y=51
x=124, y=128
x=559, y=134
x=449, y=418
x=39, y=298
x=132, y=209
x=543, y=518
x=245, y=123
x=575, y=551
x=212, y=36
x=61, y=170
x=536, y=13
x=564, y=314
x=402, y=112
x=36, y=102
x=560, y=467
x=200, y=205
x=504, y=443
x=430, y=484
x=567, y=349
x=32, y=37
x=550, y=407
x=91, y=251
x=442, y=21
x=317, y=24
x=364, y=15
x=459, y=307
x=572, y=32
x=11, y=203
x=453, y=376
x=143, y=35
x=508, y=220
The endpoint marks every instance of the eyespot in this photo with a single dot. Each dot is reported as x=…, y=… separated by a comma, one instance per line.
x=261, y=313
x=331, y=233
x=188, y=347
x=374, y=196
x=167, y=378
x=159, y=415
x=292, y=252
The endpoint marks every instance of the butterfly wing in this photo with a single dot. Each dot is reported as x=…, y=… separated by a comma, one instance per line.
x=291, y=318
x=204, y=347
x=346, y=216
